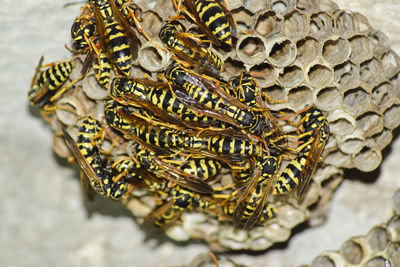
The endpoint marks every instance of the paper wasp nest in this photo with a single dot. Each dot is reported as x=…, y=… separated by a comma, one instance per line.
x=304, y=52
x=380, y=247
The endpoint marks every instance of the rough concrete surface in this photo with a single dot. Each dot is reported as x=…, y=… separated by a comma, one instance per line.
x=44, y=221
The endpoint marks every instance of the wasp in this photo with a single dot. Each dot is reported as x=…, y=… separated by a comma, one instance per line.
x=213, y=17
x=87, y=154
x=47, y=85
x=252, y=201
x=138, y=91
x=161, y=168
x=203, y=60
x=82, y=30
x=299, y=171
x=179, y=201
x=220, y=105
x=116, y=36
x=267, y=212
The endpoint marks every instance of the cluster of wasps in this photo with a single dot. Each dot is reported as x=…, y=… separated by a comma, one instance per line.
x=187, y=126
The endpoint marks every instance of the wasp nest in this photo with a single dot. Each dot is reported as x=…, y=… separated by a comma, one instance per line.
x=380, y=247
x=302, y=52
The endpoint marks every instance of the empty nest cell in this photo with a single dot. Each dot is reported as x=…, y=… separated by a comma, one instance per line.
x=321, y=25
x=295, y=25
x=291, y=76
x=267, y=23
x=352, y=252
x=319, y=75
x=251, y=49
x=336, y=50
x=328, y=98
x=280, y=51
x=347, y=75
x=361, y=49
x=308, y=49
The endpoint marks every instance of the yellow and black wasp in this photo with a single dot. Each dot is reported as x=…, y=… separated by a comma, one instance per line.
x=219, y=104
x=201, y=59
x=178, y=201
x=47, y=86
x=87, y=153
x=213, y=17
x=251, y=203
x=116, y=37
x=299, y=171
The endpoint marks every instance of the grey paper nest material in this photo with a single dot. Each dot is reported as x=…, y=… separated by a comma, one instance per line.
x=305, y=52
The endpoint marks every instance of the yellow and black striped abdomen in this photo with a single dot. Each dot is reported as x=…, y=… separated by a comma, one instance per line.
x=202, y=168
x=289, y=179
x=102, y=69
x=212, y=15
x=56, y=75
x=118, y=45
x=235, y=148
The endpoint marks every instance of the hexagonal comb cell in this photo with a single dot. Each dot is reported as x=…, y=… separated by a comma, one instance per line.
x=300, y=97
x=355, y=100
x=370, y=123
x=378, y=239
x=328, y=98
x=243, y=17
x=295, y=25
x=264, y=74
x=347, y=75
x=251, y=49
x=321, y=25
x=367, y=159
x=352, y=252
x=336, y=50
x=291, y=76
x=371, y=72
x=361, y=49
x=308, y=49
x=281, y=51
x=282, y=6
x=390, y=62
x=383, y=95
x=267, y=23
x=319, y=75
x=152, y=59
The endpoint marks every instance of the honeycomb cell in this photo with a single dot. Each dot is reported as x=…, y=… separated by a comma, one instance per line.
x=264, y=73
x=276, y=92
x=282, y=6
x=243, y=17
x=336, y=50
x=339, y=159
x=383, y=139
x=352, y=252
x=362, y=24
x=355, y=100
x=396, y=201
x=345, y=22
x=60, y=147
x=152, y=22
x=341, y=123
x=393, y=229
x=319, y=75
x=361, y=49
x=308, y=49
x=300, y=97
x=253, y=5
x=393, y=253
x=289, y=216
x=371, y=72
x=390, y=62
x=328, y=259
x=91, y=88
x=276, y=232
x=321, y=25
x=251, y=49
x=382, y=95
x=153, y=59
x=380, y=43
x=376, y=262
x=281, y=51
x=291, y=76
x=368, y=159
x=347, y=75
x=295, y=25
x=377, y=239
x=392, y=117
x=370, y=123
x=233, y=67
x=328, y=98
x=351, y=143
x=268, y=23
x=395, y=81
